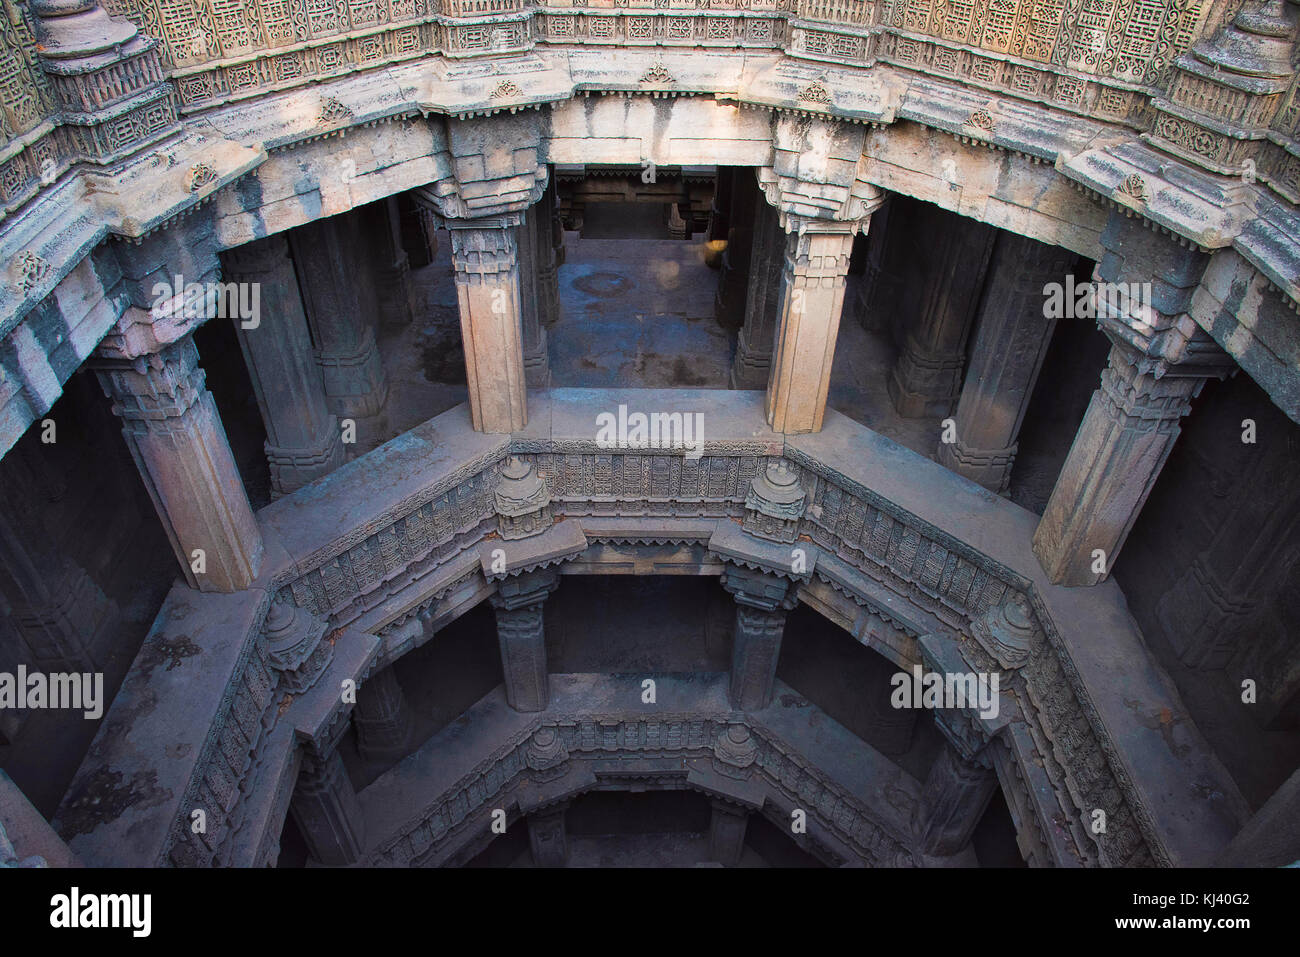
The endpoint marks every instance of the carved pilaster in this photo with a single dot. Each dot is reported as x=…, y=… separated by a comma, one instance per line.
x=812, y=295
x=303, y=440
x=753, y=363
x=549, y=244
x=944, y=289
x=326, y=810
x=175, y=435
x=485, y=257
x=1011, y=338
x=338, y=292
x=382, y=718
x=518, y=605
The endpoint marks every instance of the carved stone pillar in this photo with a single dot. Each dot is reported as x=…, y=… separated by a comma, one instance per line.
x=303, y=440
x=392, y=280
x=812, y=295
x=1011, y=338
x=729, y=303
x=382, y=718
x=954, y=798
x=753, y=363
x=1159, y=360
x=547, y=837
x=537, y=367
x=549, y=246
x=326, y=810
x=720, y=208
x=175, y=435
x=727, y=833
x=485, y=257
x=60, y=614
x=518, y=605
x=762, y=602
x=943, y=291
x=338, y=292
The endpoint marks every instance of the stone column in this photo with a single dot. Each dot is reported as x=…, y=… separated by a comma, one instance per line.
x=518, y=605
x=1159, y=360
x=392, y=267
x=762, y=603
x=812, y=295
x=339, y=294
x=303, y=440
x=485, y=257
x=729, y=302
x=753, y=363
x=537, y=367
x=382, y=718
x=547, y=837
x=326, y=810
x=175, y=435
x=1012, y=334
x=727, y=833
x=954, y=798
x=943, y=290
x=549, y=246
x=720, y=211
x=57, y=610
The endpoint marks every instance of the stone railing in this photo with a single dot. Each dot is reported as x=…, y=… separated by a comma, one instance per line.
x=30, y=148
x=378, y=542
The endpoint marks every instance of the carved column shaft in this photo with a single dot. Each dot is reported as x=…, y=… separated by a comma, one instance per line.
x=881, y=287
x=485, y=257
x=753, y=363
x=303, y=440
x=943, y=290
x=755, y=651
x=327, y=812
x=812, y=295
x=1011, y=338
x=537, y=368
x=522, y=637
x=729, y=302
x=547, y=837
x=1126, y=435
x=382, y=718
x=338, y=292
x=727, y=833
x=175, y=435
x=1159, y=360
x=952, y=803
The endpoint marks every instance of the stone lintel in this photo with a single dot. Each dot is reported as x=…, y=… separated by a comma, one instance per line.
x=741, y=549
x=559, y=543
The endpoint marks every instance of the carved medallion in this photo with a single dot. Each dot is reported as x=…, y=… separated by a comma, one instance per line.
x=200, y=175
x=981, y=120
x=815, y=92
x=1134, y=185
x=507, y=88
x=657, y=74
x=333, y=112
x=28, y=269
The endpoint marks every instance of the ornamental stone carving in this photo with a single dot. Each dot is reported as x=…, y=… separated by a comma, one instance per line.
x=523, y=502
x=735, y=752
x=295, y=645
x=775, y=504
x=1006, y=632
